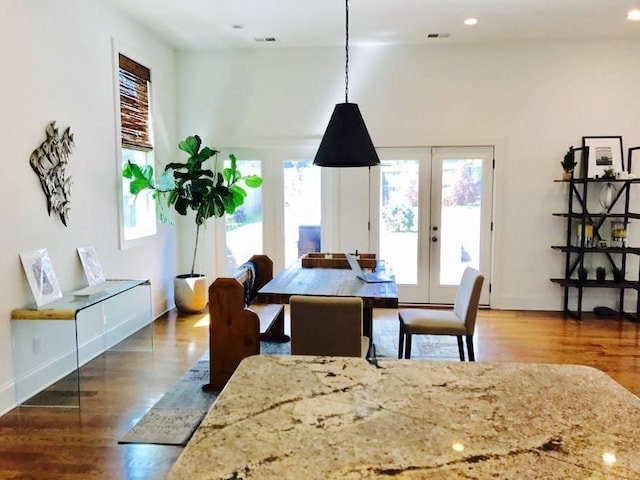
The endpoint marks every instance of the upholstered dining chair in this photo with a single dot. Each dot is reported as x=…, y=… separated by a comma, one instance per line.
x=327, y=326
x=461, y=321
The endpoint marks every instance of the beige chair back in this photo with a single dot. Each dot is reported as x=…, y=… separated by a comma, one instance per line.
x=327, y=326
x=468, y=298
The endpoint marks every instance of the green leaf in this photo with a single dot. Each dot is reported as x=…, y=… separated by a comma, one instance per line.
x=191, y=145
x=252, y=181
x=166, y=181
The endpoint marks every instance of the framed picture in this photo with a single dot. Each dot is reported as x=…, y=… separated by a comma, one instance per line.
x=42, y=279
x=604, y=152
x=91, y=265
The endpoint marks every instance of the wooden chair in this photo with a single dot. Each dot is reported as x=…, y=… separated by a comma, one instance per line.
x=327, y=326
x=459, y=321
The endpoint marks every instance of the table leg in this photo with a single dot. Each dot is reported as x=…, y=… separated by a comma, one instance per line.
x=367, y=330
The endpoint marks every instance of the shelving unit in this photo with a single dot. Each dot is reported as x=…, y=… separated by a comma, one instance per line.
x=581, y=213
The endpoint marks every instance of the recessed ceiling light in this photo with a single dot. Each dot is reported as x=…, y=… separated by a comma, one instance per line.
x=237, y=27
x=471, y=21
x=633, y=15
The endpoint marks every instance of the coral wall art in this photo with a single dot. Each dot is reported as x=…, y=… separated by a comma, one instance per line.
x=50, y=161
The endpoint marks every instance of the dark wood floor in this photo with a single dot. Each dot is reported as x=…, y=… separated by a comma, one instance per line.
x=46, y=443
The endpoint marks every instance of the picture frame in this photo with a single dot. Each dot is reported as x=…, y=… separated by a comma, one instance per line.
x=41, y=276
x=91, y=265
x=604, y=152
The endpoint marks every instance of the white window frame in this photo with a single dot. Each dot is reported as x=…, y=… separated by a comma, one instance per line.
x=132, y=235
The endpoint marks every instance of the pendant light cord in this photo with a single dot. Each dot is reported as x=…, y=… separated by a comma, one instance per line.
x=346, y=62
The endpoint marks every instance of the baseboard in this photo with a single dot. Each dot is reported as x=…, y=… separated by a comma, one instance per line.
x=7, y=397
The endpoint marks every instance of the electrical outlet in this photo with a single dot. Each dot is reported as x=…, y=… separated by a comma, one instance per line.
x=37, y=345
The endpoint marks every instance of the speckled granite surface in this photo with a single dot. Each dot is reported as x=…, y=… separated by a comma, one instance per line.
x=323, y=418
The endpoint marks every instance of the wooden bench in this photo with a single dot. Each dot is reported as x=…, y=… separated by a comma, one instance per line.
x=236, y=320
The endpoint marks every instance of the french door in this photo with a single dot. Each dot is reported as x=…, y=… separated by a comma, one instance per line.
x=433, y=210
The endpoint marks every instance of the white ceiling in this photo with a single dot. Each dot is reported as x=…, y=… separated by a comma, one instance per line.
x=207, y=24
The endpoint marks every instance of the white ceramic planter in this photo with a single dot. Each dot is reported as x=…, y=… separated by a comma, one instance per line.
x=191, y=293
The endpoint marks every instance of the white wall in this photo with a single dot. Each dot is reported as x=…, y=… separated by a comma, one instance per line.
x=532, y=101
x=57, y=65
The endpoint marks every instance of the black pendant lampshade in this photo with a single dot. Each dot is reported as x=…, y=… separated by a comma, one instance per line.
x=346, y=141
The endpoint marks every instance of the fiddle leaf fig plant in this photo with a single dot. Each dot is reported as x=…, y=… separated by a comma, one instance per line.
x=190, y=186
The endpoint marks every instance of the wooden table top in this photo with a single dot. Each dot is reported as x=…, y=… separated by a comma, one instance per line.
x=341, y=282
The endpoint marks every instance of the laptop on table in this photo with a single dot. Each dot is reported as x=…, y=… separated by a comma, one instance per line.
x=369, y=277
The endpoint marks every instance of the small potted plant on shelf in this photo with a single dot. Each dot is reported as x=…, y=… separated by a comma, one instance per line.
x=609, y=172
x=618, y=275
x=583, y=273
x=601, y=274
x=568, y=164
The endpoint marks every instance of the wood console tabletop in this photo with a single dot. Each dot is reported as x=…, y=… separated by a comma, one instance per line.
x=336, y=418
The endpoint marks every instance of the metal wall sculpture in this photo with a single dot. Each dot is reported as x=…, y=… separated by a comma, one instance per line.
x=50, y=161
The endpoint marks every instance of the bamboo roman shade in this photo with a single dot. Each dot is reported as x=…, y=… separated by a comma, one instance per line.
x=135, y=116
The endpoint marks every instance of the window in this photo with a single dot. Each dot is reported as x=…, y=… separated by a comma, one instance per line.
x=134, y=85
x=243, y=228
x=301, y=209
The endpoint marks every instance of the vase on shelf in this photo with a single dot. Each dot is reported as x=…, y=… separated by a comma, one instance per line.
x=607, y=196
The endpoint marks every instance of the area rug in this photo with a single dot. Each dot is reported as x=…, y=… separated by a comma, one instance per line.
x=174, y=418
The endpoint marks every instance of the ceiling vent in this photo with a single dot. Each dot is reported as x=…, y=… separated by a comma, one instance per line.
x=265, y=39
x=438, y=35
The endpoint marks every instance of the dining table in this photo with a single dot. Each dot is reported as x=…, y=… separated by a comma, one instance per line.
x=330, y=282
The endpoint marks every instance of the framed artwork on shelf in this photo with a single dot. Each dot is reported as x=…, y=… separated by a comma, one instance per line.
x=91, y=265
x=630, y=169
x=604, y=153
x=42, y=279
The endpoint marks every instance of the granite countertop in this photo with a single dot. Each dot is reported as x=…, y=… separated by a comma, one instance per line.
x=332, y=418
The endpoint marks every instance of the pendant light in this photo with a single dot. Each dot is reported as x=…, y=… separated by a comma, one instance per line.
x=346, y=141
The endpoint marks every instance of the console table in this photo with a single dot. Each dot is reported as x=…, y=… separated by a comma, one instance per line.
x=335, y=418
x=53, y=341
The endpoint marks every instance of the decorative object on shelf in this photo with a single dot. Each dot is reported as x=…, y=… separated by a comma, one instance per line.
x=618, y=235
x=601, y=274
x=604, y=152
x=588, y=234
x=602, y=244
x=346, y=141
x=42, y=279
x=568, y=164
x=91, y=265
x=607, y=196
x=50, y=161
x=583, y=273
x=609, y=173
x=190, y=186
x=618, y=275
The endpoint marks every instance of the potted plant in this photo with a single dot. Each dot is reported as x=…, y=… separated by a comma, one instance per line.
x=601, y=274
x=188, y=187
x=568, y=164
x=583, y=273
x=618, y=275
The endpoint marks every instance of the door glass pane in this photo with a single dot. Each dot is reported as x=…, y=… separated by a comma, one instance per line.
x=460, y=218
x=301, y=209
x=244, y=227
x=399, y=218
